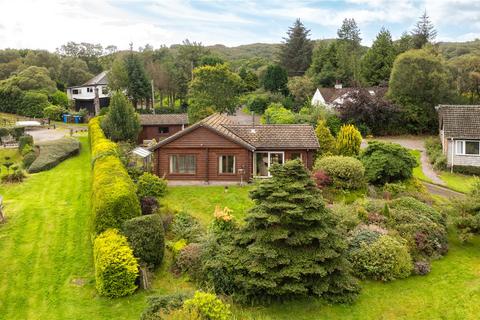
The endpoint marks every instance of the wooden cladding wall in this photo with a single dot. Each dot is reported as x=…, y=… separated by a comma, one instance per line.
x=152, y=132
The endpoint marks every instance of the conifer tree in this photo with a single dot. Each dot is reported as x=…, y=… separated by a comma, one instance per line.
x=138, y=86
x=377, y=62
x=348, y=50
x=348, y=141
x=291, y=244
x=275, y=79
x=424, y=31
x=296, y=51
x=121, y=123
x=325, y=138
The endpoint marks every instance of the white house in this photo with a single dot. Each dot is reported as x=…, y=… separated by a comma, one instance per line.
x=333, y=97
x=460, y=134
x=84, y=95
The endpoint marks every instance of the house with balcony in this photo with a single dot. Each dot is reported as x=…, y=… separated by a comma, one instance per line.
x=93, y=91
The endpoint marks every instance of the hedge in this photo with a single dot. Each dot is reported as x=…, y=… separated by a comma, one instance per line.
x=114, y=198
x=116, y=269
x=54, y=152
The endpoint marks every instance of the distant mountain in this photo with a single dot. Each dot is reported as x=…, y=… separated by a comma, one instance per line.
x=455, y=49
x=268, y=51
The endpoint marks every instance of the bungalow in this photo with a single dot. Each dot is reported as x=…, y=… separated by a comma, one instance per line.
x=460, y=134
x=219, y=149
x=161, y=126
x=85, y=95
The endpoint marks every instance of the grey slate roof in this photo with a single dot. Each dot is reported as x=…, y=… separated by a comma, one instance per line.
x=460, y=121
x=99, y=79
x=163, y=119
x=264, y=137
x=277, y=136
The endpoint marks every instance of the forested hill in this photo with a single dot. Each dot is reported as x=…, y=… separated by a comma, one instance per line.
x=268, y=51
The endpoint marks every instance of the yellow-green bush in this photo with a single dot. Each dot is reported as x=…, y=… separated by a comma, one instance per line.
x=114, y=198
x=116, y=269
x=207, y=306
x=348, y=141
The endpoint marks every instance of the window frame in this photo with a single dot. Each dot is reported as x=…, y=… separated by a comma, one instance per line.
x=269, y=164
x=76, y=91
x=463, y=146
x=170, y=164
x=220, y=164
x=294, y=153
x=163, y=127
x=89, y=90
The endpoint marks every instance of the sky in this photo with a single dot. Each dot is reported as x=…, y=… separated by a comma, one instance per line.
x=47, y=24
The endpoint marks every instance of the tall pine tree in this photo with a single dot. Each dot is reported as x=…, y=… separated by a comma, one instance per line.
x=121, y=122
x=377, y=63
x=138, y=87
x=424, y=31
x=292, y=244
x=296, y=51
x=349, y=50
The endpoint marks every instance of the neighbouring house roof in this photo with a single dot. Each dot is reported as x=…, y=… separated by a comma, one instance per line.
x=99, y=79
x=142, y=152
x=331, y=94
x=277, y=136
x=460, y=121
x=163, y=119
x=285, y=136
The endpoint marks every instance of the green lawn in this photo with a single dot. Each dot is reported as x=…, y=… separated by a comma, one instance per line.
x=201, y=200
x=457, y=182
x=46, y=268
x=417, y=171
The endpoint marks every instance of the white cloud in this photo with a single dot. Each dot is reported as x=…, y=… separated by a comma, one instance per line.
x=51, y=23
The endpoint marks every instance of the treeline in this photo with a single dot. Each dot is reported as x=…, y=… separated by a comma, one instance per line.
x=202, y=80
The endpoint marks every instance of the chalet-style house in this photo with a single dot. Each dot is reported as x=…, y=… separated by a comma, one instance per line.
x=460, y=134
x=93, y=91
x=219, y=149
x=160, y=126
x=333, y=97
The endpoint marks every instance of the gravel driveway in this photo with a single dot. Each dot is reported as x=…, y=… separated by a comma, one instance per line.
x=43, y=134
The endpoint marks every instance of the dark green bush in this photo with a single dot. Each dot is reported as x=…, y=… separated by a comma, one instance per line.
x=116, y=269
x=33, y=103
x=345, y=172
x=149, y=185
x=387, y=162
x=470, y=170
x=384, y=259
x=422, y=226
x=467, y=211
x=163, y=304
x=25, y=140
x=59, y=98
x=146, y=237
x=185, y=226
x=54, y=152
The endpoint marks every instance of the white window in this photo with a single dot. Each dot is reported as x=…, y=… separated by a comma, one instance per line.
x=262, y=161
x=76, y=91
x=467, y=147
x=183, y=164
x=226, y=164
x=89, y=89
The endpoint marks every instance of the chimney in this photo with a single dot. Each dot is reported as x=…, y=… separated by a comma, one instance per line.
x=252, y=130
x=338, y=85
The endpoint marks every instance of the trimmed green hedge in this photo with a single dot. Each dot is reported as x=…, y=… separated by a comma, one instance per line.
x=116, y=269
x=346, y=172
x=114, y=198
x=54, y=152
